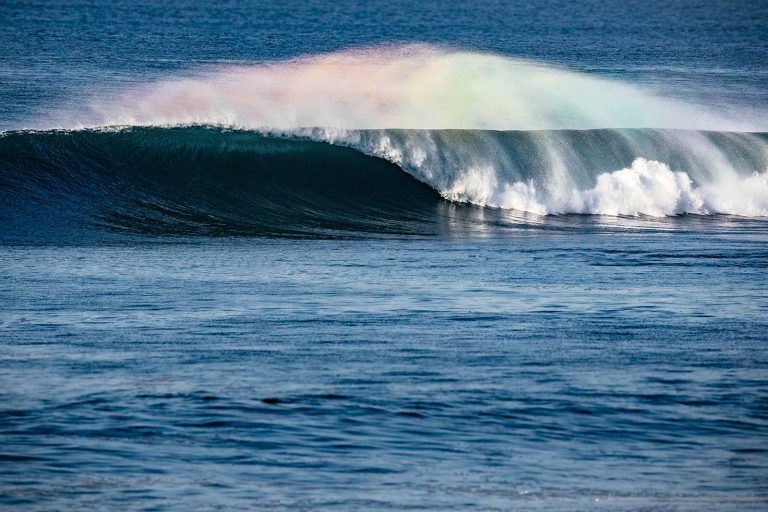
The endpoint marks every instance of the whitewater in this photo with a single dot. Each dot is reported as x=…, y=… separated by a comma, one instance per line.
x=479, y=128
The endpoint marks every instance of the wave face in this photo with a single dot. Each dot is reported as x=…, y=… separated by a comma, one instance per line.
x=215, y=181
x=200, y=181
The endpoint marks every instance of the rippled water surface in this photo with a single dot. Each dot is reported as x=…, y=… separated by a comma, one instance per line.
x=615, y=369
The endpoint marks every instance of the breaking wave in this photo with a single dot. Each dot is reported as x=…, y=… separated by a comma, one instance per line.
x=606, y=172
x=214, y=181
x=391, y=140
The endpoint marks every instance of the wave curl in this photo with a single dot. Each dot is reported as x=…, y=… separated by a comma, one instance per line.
x=318, y=145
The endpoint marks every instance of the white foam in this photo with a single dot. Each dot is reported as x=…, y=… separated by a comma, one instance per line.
x=646, y=188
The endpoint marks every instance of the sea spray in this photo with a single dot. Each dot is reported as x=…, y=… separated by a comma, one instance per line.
x=479, y=128
x=414, y=86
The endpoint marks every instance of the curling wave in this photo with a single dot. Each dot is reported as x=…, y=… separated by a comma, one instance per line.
x=215, y=181
x=377, y=140
x=606, y=172
x=199, y=181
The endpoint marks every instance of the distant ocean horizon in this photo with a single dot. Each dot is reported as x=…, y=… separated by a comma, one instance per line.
x=341, y=256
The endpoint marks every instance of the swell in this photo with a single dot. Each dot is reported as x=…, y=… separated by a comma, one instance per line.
x=210, y=181
x=199, y=181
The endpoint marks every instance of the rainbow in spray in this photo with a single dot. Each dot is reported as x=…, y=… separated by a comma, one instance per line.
x=478, y=128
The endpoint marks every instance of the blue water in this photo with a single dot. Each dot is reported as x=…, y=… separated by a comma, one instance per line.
x=202, y=318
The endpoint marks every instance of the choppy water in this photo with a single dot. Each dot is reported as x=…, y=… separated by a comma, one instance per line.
x=329, y=294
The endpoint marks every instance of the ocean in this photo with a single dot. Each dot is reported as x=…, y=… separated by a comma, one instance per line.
x=384, y=256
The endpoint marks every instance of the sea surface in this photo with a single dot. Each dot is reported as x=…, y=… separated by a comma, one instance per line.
x=384, y=256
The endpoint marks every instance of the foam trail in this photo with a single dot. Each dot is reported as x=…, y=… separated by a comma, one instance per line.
x=646, y=188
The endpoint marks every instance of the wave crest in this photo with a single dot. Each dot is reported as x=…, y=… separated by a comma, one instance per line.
x=477, y=128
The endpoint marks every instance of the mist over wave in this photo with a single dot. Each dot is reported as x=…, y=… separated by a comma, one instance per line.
x=478, y=128
x=413, y=86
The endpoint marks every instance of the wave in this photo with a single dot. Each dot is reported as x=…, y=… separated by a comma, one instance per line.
x=199, y=181
x=398, y=140
x=606, y=172
x=215, y=181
